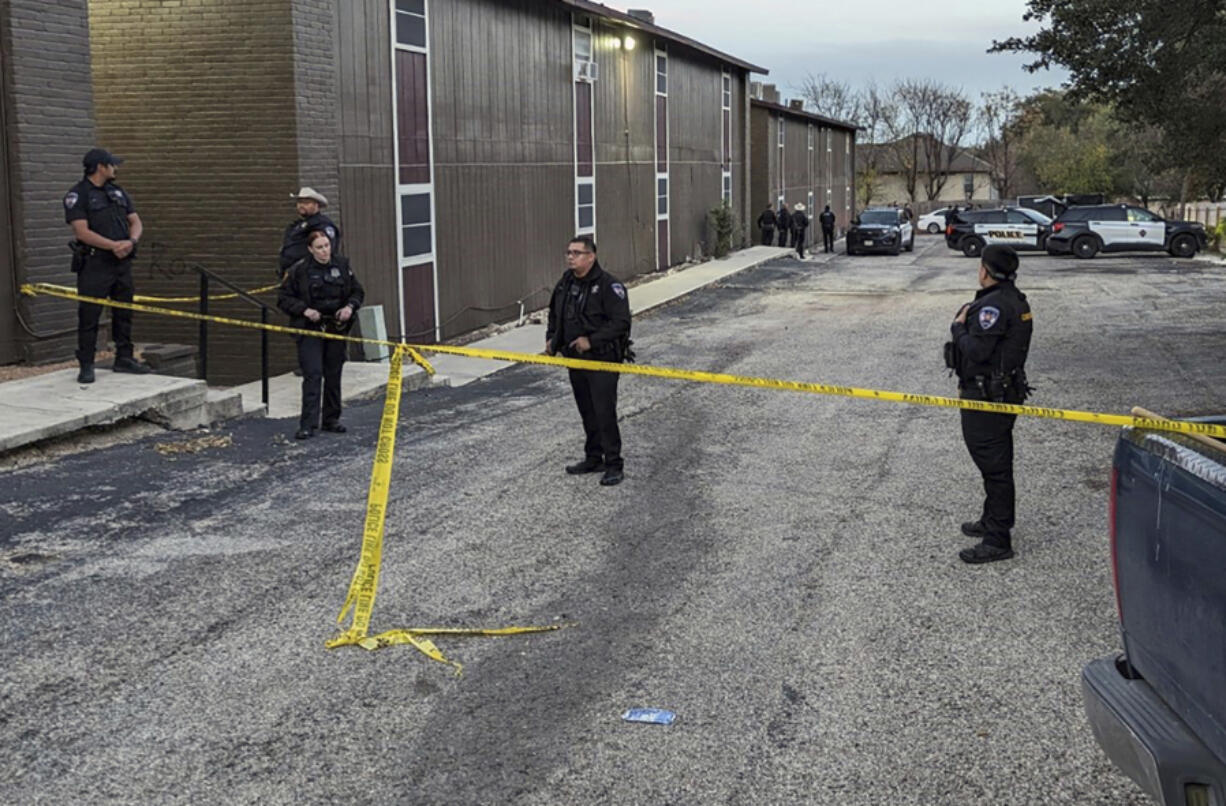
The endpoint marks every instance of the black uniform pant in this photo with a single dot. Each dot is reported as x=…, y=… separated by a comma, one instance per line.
x=798, y=237
x=783, y=237
x=989, y=438
x=103, y=276
x=320, y=359
x=768, y=236
x=596, y=396
x=828, y=240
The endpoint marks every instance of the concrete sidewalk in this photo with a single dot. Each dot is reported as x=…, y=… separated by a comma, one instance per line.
x=54, y=404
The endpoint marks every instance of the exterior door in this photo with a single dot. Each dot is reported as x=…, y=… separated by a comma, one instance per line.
x=1146, y=230
x=1110, y=225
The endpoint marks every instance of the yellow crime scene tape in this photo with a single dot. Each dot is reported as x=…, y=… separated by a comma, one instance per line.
x=142, y=298
x=363, y=586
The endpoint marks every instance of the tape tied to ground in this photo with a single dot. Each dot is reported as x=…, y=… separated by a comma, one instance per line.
x=698, y=376
x=360, y=599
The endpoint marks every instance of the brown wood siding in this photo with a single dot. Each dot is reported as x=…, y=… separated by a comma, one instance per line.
x=503, y=156
x=367, y=169
x=625, y=153
x=662, y=244
x=626, y=218
x=412, y=118
x=761, y=182
x=695, y=159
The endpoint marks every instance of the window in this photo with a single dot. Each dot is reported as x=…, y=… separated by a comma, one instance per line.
x=728, y=188
x=810, y=136
x=727, y=91
x=411, y=23
x=585, y=199
x=1139, y=214
x=1015, y=217
x=1106, y=214
x=661, y=196
x=661, y=73
x=415, y=224
x=782, y=125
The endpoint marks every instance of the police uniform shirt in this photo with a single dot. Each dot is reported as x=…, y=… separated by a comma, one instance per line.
x=294, y=245
x=996, y=334
x=105, y=209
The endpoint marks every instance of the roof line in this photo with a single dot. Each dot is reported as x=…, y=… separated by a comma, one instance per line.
x=801, y=113
x=622, y=17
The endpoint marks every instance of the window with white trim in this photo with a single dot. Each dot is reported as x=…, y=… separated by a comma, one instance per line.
x=415, y=224
x=662, y=196
x=728, y=187
x=661, y=73
x=411, y=23
x=585, y=205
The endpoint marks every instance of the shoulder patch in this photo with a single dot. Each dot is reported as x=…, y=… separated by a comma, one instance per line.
x=619, y=290
x=1026, y=317
x=988, y=316
x=70, y=201
x=330, y=232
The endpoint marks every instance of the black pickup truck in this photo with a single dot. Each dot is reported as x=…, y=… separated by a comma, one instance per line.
x=1159, y=709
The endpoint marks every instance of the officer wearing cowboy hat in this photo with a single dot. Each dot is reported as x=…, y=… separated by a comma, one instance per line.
x=800, y=223
x=309, y=203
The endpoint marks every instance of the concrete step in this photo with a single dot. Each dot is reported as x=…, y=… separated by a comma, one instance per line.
x=51, y=405
x=224, y=404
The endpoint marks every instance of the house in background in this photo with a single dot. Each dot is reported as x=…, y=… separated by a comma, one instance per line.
x=800, y=157
x=884, y=169
x=460, y=143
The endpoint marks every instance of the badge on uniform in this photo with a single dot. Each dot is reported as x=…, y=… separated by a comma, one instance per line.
x=335, y=272
x=987, y=317
x=70, y=201
x=619, y=290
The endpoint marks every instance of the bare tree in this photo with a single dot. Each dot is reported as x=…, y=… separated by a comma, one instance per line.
x=878, y=120
x=931, y=124
x=1000, y=120
x=834, y=99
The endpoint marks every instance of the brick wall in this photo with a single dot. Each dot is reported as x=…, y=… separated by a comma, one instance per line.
x=316, y=98
x=199, y=97
x=49, y=97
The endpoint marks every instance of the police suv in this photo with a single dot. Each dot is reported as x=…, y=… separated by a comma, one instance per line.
x=1019, y=227
x=1086, y=231
x=880, y=229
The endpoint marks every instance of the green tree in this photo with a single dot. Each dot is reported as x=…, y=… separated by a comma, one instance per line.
x=1155, y=62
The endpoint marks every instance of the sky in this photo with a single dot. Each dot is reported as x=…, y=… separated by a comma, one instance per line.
x=851, y=41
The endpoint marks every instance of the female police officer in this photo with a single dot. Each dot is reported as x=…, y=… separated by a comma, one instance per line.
x=320, y=292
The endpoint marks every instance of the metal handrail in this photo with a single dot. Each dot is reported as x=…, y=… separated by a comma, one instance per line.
x=205, y=277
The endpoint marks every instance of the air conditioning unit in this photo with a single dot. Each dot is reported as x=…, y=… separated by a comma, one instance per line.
x=586, y=71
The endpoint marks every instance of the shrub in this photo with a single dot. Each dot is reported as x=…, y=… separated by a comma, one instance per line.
x=722, y=227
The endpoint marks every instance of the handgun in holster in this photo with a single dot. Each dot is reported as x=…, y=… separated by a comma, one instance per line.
x=80, y=252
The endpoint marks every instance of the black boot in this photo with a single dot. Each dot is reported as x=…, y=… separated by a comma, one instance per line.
x=86, y=374
x=130, y=365
x=589, y=465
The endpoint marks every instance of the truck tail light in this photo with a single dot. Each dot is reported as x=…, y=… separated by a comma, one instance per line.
x=1111, y=528
x=949, y=229
x=1057, y=226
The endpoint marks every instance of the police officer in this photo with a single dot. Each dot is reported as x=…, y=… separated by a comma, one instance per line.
x=800, y=225
x=827, y=220
x=991, y=338
x=783, y=221
x=106, y=229
x=766, y=222
x=320, y=292
x=309, y=202
x=589, y=317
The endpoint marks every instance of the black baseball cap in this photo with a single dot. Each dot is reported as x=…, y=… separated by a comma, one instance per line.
x=1000, y=261
x=99, y=156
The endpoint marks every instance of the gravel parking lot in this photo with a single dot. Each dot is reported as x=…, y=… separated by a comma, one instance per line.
x=779, y=569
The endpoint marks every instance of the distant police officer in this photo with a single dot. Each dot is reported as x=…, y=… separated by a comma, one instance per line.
x=589, y=317
x=991, y=338
x=308, y=202
x=106, y=229
x=827, y=221
x=800, y=225
x=320, y=292
x=783, y=221
x=766, y=222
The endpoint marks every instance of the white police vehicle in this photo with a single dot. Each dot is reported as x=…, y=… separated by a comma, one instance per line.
x=1020, y=227
x=1086, y=231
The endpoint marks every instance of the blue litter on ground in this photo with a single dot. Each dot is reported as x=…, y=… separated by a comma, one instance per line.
x=654, y=716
